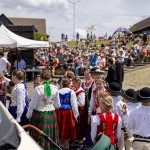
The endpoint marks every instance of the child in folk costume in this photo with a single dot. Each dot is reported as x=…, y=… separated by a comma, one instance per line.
x=106, y=122
x=18, y=105
x=42, y=111
x=94, y=105
x=139, y=120
x=131, y=104
x=4, y=82
x=67, y=113
x=114, y=89
x=82, y=122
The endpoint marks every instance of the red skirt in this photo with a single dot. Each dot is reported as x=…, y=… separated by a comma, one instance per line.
x=66, y=124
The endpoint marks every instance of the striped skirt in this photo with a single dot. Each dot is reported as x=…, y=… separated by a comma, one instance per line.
x=66, y=124
x=45, y=121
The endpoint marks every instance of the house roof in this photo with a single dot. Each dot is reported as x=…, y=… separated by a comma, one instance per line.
x=5, y=20
x=40, y=24
x=141, y=25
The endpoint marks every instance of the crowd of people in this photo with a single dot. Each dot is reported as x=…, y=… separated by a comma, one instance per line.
x=91, y=113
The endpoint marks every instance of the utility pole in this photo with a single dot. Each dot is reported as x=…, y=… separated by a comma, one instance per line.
x=74, y=16
x=50, y=28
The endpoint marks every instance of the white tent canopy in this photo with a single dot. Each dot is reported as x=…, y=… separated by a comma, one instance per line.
x=10, y=40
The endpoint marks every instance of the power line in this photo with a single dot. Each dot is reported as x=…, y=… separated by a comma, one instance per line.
x=74, y=15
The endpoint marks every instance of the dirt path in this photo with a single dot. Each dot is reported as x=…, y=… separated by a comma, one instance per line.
x=137, y=78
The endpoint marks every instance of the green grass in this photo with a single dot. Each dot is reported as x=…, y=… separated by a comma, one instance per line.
x=73, y=44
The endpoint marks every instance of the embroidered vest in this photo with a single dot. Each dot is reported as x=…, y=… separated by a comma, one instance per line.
x=95, y=94
x=88, y=91
x=65, y=100
x=108, y=126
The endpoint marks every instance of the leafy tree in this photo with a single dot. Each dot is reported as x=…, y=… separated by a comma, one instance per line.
x=90, y=29
x=40, y=36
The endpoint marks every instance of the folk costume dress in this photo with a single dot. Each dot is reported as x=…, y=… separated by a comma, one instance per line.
x=88, y=86
x=107, y=123
x=18, y=105
x=67, y=113
x=42, y=113
x=81, y=125
x=94, y=104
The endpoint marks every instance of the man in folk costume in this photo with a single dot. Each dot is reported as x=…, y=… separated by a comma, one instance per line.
x=82, y=121
x=67, y=113
x=131, y=104
x=42, y=111
x=114, y=89
x=106, y=122
x=94, y=105
x=139, y=120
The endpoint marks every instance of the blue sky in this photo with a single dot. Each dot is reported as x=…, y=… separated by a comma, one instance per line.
x=106, y=15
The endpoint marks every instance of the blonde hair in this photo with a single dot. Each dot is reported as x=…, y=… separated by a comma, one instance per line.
x=99, y=81
x=106, y=100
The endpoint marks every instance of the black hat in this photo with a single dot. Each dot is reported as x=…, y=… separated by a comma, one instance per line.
x=129, y=95
x=143, y=95
x=114, y=88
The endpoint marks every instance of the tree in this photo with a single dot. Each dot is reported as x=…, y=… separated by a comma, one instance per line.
x=90, y=29
x=40, y=36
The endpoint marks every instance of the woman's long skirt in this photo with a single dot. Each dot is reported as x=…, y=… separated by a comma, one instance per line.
x=45, y=121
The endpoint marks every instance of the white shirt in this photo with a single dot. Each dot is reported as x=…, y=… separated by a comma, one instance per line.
x=18, y=96
x=130, y=107
x=139, y=121
x=80, y=97
x=117, y=106
x=40, y=101
x=95, y=121
x=73, y=100
x=21, y=64
x=3, y=64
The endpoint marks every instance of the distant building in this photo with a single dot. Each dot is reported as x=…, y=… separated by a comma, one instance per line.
x=25, y=27
x=141, y=27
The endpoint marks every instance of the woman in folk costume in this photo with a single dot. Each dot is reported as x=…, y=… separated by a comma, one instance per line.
x=106, y=122
x=94, y=104
x=82, y=122
x=18, y=105
x=88, y=85
x=4, y=82
x=67, y=113
x=41, y=110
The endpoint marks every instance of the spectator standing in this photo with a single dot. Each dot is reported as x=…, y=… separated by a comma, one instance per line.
x=4, y=64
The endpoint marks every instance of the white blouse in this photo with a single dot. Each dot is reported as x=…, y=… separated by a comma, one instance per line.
x=40, y=101
x=81, y=97
x=18, y=96
x=95, y=121
x=73, y=100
